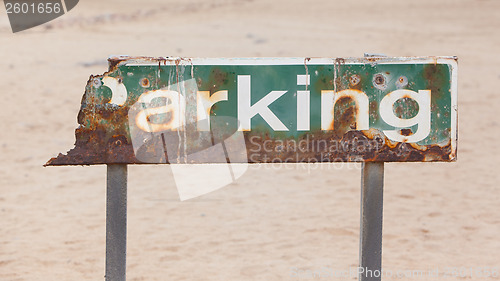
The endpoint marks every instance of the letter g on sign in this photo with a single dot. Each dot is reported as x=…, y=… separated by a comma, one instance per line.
x=422, y=119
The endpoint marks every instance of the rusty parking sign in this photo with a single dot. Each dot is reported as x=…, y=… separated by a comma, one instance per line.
x=162, y=110
x=287, y=110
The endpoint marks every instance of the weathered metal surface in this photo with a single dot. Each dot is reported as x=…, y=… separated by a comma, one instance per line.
x=287, y=109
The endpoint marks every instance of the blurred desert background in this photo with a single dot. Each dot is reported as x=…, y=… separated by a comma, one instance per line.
x=436, y=215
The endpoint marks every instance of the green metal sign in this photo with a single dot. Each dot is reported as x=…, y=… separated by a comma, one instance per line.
x=168, y=110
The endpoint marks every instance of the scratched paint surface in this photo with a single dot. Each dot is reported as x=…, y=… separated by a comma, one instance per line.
x=311, y=128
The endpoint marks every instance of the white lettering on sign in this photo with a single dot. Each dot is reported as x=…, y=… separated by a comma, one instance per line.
x=175, y=107
x=118, y=90
x=422, y=119
x=330, y=98
x=303, y=104
x=246, y=111
x=205, y=101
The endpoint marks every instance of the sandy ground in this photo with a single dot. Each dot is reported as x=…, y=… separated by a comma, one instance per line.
x=52, y=220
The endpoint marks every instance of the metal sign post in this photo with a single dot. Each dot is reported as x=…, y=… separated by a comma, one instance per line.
x=370, y=233
x=116, y=222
